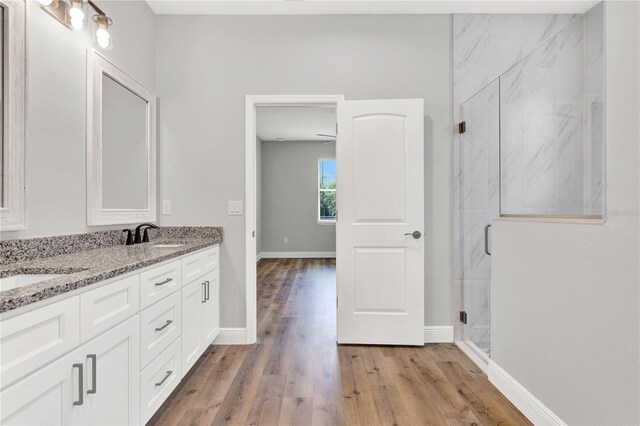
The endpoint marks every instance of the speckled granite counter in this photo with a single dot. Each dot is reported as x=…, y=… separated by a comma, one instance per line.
x=86, y=267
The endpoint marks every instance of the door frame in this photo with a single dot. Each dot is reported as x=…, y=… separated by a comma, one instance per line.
x=251, y=103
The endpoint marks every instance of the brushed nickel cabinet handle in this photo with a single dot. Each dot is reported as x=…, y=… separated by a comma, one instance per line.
x=168, y=280
x=166, y=324
x=204, y=292
x=94, y=374
x=207, y=292
x=80, y=368
x=160, y=383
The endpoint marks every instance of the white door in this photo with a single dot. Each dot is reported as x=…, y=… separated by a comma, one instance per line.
x=380, y=195
x=193, y=296
x=111, y=391
x=210, y=314
x=43, y=398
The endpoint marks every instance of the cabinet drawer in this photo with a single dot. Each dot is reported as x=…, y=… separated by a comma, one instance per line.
x=31, y=340
x=109, y=305
x=159, y=379
x=159, y=282
x=160, y=325
x=192, y=267
x=211, y=259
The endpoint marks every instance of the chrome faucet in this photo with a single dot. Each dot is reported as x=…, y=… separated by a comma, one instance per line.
x=145, y=237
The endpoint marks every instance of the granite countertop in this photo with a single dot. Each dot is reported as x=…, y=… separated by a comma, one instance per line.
x=87, y=267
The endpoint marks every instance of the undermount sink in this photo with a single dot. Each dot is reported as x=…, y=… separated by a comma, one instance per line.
x=20, y=280
x=167, y=245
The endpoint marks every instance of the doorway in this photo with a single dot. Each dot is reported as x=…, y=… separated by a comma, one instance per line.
x=252, y=105
x=379, y=222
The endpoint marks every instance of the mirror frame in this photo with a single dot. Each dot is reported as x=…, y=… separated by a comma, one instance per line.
x=13, y=212
x=97, y=65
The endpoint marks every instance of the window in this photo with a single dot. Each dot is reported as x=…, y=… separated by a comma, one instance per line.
x=327, y=191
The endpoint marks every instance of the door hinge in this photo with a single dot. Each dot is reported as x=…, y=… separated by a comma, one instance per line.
x=463, y=317
x=462, y=127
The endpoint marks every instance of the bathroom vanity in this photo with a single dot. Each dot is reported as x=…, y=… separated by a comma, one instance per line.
x=108, y=333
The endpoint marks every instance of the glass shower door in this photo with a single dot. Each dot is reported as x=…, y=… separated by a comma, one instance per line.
x=480, y=192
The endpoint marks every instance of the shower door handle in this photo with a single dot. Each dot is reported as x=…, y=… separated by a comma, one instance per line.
x=486, y=239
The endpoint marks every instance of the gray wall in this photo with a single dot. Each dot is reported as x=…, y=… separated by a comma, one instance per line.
x=290, y=197
x=56, y=110
x=564, y=297
x=207, y=64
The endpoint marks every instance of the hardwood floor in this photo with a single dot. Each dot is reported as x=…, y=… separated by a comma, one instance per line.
x=297, y=375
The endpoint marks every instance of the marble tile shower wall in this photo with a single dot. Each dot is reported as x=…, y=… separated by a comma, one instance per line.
x=541, y=118
x=486, y=46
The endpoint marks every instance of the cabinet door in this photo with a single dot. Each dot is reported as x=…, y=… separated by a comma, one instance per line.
x=192, y=299
x=111, y=377
x=210, y=309
x=43, y=398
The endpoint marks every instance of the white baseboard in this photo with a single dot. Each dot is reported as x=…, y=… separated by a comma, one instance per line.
x=478, y=360
x=231, y=336
x=524, y=401
x=438, y=334
x=296, y=254
x=258, y=257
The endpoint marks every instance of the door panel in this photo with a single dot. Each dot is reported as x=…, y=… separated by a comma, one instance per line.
x=192, y=297
x=380, y=189
x=479, y=155
x=374, y=269
x=113, y=398
x=379, y=152
x=43, y=398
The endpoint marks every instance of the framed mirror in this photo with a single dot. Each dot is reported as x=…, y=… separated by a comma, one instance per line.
x=12, y=112
x=121, y=146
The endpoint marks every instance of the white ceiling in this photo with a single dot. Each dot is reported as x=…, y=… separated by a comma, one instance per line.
x=299, y=123
x=366, y=7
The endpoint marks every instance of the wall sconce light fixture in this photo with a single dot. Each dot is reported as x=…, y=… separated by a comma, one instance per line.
x=72, y=14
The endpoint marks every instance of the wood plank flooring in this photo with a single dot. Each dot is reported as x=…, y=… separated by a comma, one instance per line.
x=297, y=375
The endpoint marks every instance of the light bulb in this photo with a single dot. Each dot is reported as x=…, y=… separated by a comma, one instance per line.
x=45, y=3
x=76, y=13
x=77, y=23
x=77, y=17
x=102, y=37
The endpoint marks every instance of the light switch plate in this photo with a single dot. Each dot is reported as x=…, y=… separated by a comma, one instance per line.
x=235, y=208
x=166, y=206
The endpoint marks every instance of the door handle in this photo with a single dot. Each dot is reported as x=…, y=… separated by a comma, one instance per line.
x=204, y=292
x=80, y=368
x=486, y=239
x=414, y=234
x=166, y=324
x=94, y=374
x=207, y=293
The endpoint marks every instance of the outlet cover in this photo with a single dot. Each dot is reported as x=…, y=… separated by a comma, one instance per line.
x=166, y=206
x=235, y=208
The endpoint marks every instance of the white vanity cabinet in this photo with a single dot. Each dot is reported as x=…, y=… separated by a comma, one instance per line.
x=111, y=353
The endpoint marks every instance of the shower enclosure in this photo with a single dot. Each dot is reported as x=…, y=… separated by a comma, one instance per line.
x=531, y=145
